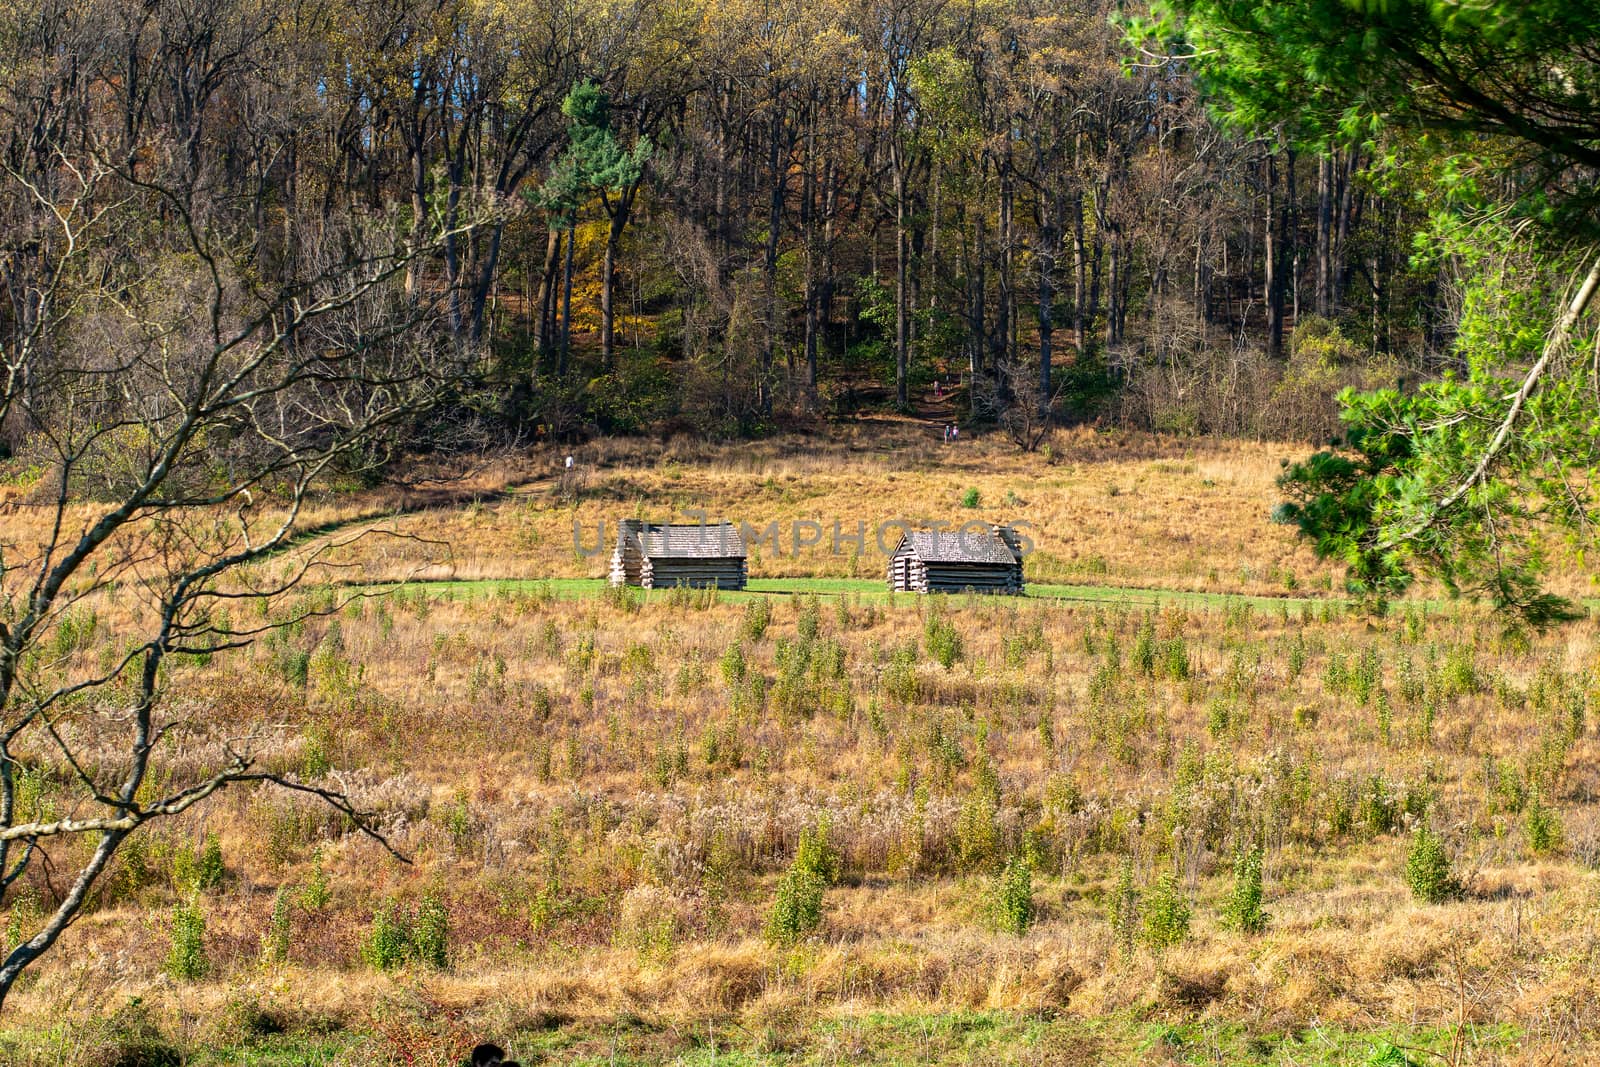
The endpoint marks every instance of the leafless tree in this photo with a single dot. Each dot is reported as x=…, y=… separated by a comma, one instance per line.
x=183, y=404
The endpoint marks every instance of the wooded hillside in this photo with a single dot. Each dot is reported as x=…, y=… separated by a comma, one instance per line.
x=718, y=215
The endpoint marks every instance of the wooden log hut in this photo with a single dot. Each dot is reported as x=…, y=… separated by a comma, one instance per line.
x=955, y=561
x=663, y=555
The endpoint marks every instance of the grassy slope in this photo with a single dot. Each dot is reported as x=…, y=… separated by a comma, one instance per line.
x=433, y=703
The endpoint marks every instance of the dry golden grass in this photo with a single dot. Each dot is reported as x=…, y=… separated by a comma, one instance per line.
x=606, y=808
x=1113, y=509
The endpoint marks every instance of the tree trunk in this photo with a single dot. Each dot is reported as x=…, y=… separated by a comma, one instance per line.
x=976, y=285
x=808, y=224
x=1274, y=262
x=544, y=330
x=1047, y=295
x=1324, y=298
x=1346, y=222
x=770, y=260
x=566, y=302
x=485, y=283
x=1113, y=290
x=1080, y=281
x=419, y=201
x=902, y=325
x=1000, y=339
x=17, y=960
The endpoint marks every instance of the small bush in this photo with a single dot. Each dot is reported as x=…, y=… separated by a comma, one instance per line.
x=1143, y=657
x=388, y=944
x=186, y=958
x=942, y=640
x=797, y=908
x=1541, y=825
x=1428, y=872
x=971, y=498
x=816, y=855
x=1013, y=896
x=900, y=679
x=757, y=617
x=733, y=666
x=1242, y=911
x=978, y=835
x=315, y=894
x=1166, y=914
x=1122, y=909
x=809, y=621
x=430, y=935
x=1378, y=811
x=208, y=864
x=622, y=598
x=280, y=928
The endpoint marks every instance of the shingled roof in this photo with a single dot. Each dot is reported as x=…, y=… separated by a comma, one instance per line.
x=959, y=546
x=691, y=541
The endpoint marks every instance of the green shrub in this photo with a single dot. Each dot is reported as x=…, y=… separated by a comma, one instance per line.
x=280, y=927
x=314, y=894
x=733, y=666
x=430, y=934
x=977, y=826
x=292, y=664
x=1166, y=913
x=971, y=498
x=623, y=598
x=1122, y=909
x=1541, y=825
x=757, y=617
x=208, y=866
x=797, y=908
x=942, y=639
x=1297, y=656
x=1242, y=911
x=809, y=620
x=816, y=855
x=388, y=943
x=1174, y=653
x=186, y=958
x=1013, y=896
x=1378, y=811
x=75, y=629
x=197, y=870
x=1143, y=657
x=900, y=679
x=1428, y=872
x=316, y=756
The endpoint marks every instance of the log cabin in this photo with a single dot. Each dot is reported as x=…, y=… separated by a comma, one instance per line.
x=663, y=555
x=955, y=561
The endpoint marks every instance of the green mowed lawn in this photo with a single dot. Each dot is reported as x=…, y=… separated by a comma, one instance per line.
x=868, y=590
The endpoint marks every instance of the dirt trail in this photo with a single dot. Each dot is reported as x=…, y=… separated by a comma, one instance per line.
x=938, y=409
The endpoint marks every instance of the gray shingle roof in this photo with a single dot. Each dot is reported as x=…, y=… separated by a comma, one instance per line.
x=959, y=546
x=692, y=541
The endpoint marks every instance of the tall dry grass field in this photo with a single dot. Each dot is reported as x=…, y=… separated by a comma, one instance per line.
x=850, y=827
